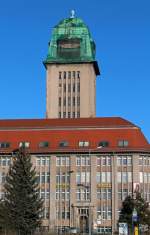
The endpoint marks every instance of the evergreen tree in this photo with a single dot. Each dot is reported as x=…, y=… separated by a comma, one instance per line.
x=20, y=210
x=142, y=208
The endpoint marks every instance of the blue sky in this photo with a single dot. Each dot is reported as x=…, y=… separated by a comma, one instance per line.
x=121, y=31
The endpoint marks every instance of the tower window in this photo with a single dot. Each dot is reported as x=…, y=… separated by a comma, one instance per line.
x=69, y=75
x=78, y=101
x=78, y=87
x=69, y=101
x=59, y=75
x=64, y=101
x=64, y=75
x=59, y=101
x=73, y=101
x=69, y=87
x=65, y=87
x=74, y=74
x=74, y=87
x=78, y=74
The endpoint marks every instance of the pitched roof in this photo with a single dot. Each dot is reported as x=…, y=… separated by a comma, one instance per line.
x=106, y=122
x=54, y=131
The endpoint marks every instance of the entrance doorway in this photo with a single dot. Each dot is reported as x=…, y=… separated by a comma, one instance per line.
x=83, y=224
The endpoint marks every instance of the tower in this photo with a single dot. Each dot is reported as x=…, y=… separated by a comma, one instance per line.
x=71, y=71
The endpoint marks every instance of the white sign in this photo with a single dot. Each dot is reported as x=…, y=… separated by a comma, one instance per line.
x=123, y=229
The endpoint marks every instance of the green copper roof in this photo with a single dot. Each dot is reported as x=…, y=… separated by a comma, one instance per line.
x=71, y=42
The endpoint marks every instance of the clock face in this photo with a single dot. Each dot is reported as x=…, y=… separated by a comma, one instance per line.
x=68, y=48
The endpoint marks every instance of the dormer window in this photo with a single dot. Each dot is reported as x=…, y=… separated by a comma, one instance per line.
x=83, y=143
x=24, y=144
x=103, y=143
x=4, y=144
x=44, y=144
x=64, y=144
x=123, y=143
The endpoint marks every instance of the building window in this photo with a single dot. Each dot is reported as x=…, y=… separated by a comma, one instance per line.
x=124, y=177
x=73, y=88
x=73, y=114
x=69, y=74
x=129, y=161
x=4, y=144
x=59, y=114
x=78, y=114
x=78, y=87
x=42, y=161
x=104, y=161
x=64, y=114
x=125, y=193
x=69, y=115
x=141, y=177
x=59, y=75
x=5, y=161
x=73, y=101
x=69, y=87
x=125, y=160
x=78, y=101
x=59, y=101
x=83, y=194
x=123, y=143
x=64, y=103
x=98, y=177
x=63, y=144
x=24, y=144
x=83, y=143
x=65, y=87
x=64, y=75
x=44, y=144
x=103, y=143
x=74, y=74
x=82, y=178
x=62, y=161
x=119, y=177
x=78, y=74
x=103, y=177
x=98, y=161
x=82, y=161
x=119, y=161
x=69, y=101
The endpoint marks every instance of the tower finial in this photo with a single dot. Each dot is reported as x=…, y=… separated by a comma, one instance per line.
x=72, y=14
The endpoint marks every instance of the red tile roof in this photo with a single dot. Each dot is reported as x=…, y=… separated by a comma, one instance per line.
x=78, y=122
x=93, y=130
